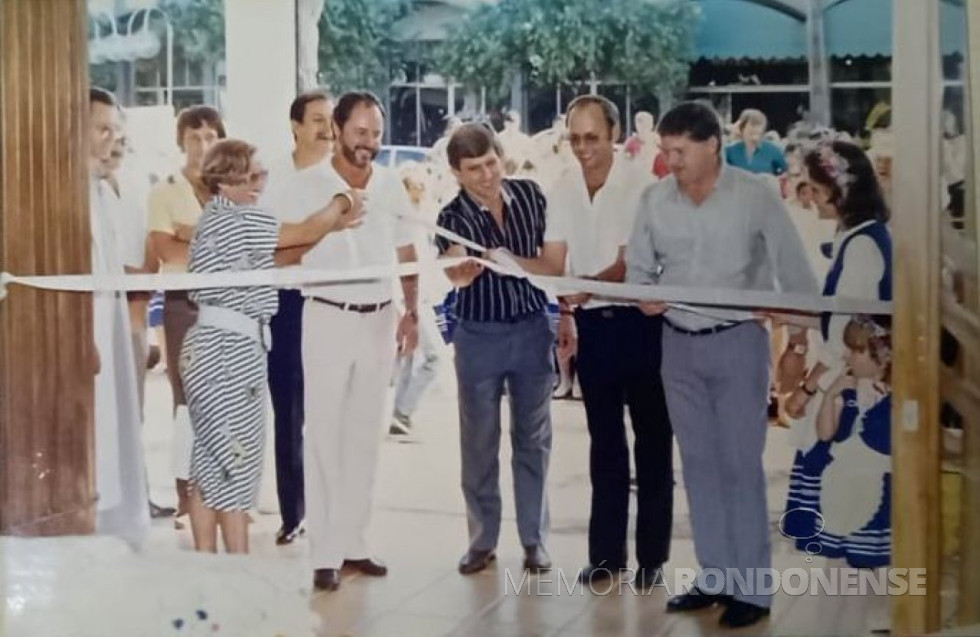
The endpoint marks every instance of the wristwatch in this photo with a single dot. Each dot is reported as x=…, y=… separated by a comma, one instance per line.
x=799, y=348
x=806, y=390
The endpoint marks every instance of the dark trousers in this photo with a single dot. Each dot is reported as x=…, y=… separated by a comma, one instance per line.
x=286, y=390
x=619, y=367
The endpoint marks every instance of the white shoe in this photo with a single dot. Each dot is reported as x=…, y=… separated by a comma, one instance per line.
x=563, y=390
x=401, y=425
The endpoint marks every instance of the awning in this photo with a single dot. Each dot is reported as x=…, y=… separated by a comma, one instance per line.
x=864, y=27
x=736, y=29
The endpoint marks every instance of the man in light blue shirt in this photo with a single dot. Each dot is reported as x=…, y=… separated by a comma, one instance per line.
x=710, y=225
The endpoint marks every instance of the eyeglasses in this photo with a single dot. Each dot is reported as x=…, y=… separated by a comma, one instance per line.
x=253, y=179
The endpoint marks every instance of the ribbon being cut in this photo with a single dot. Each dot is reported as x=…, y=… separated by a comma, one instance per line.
x=702, y=299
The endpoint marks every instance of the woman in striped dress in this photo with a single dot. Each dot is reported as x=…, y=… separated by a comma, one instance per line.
x=223, y=359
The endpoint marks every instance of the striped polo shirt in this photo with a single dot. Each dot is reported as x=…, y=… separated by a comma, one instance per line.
x=492, y=297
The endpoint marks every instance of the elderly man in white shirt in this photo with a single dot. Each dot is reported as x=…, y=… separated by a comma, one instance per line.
x=120, y=479
x=298, y=186
x=618, y=348
x=350, y=342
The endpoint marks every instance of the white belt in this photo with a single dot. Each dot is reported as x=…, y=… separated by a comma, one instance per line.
x=223, y=318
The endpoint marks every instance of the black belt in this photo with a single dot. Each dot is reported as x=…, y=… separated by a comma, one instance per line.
x=607, y=311
x=360, y=308
x=717, y=329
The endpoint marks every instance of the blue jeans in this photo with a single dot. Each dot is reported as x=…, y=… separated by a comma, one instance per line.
x=487, y=355
x=414, y=379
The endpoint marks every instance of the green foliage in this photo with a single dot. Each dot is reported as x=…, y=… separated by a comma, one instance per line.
x=647, y=43
x=199, y=28
x=357, y=45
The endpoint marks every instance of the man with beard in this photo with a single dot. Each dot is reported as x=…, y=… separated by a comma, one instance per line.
x=295, y=190
x=349, y=347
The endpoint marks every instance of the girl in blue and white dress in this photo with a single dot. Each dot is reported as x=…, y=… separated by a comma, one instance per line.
x=845, y=189
x=843, y=495
x=223, y=359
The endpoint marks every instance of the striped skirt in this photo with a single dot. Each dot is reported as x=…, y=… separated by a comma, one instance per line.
x=225, y=381
x=803, y=522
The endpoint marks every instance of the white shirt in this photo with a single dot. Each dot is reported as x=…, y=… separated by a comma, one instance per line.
x=863, y=267
x=128, y=220
x=954, y=159
x=291, y=195
x=595, y=229
x=373, y=243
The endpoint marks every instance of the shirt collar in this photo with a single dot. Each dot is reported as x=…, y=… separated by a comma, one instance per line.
x=617, y=173
x=222, y=203
x=505, y=193
x=724, y=183
x=851, y=231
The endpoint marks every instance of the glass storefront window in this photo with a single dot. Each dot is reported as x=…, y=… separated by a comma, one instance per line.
x=855, y=110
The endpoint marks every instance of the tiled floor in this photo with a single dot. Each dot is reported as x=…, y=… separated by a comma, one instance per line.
x=95, y=586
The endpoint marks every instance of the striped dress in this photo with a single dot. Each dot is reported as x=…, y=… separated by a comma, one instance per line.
x=224, y=373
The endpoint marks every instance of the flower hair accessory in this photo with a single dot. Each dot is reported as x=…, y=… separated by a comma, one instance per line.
x=836, y=167
x=879, y=340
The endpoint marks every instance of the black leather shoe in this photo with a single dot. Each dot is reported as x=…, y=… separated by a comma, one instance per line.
x=326, y=579
x=284, y=536
x=649, y=576
x=695, y=600
x=475, y=561
x=367, y=566
x=536, y=559
x=592, y=574
x=740, y=614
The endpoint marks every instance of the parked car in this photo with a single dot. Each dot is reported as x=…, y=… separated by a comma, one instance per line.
x=394, y=156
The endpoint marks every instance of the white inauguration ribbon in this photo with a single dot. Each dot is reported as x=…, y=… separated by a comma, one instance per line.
x=681, y=297
x=299, y=277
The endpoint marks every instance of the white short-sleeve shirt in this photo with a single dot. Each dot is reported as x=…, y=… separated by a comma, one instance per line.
x=595, y=229
x=128, y=221
x=373, y=243
x=291, y=194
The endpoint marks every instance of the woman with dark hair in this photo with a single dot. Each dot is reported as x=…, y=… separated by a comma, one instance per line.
x=846, y=189
x=223, y=359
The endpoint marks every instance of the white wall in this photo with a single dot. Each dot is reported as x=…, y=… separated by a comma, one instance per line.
x=261, y=71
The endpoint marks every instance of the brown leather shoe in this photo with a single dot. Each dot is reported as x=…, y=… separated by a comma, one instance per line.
x=536, y=559
x=475, y=561
x=367, y=566
x=326, y=579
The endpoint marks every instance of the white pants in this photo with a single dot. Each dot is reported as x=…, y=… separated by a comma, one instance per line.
x=348, y=359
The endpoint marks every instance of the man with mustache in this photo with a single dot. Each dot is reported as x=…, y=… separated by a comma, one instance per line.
x=295, y=190
x=349, y=344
